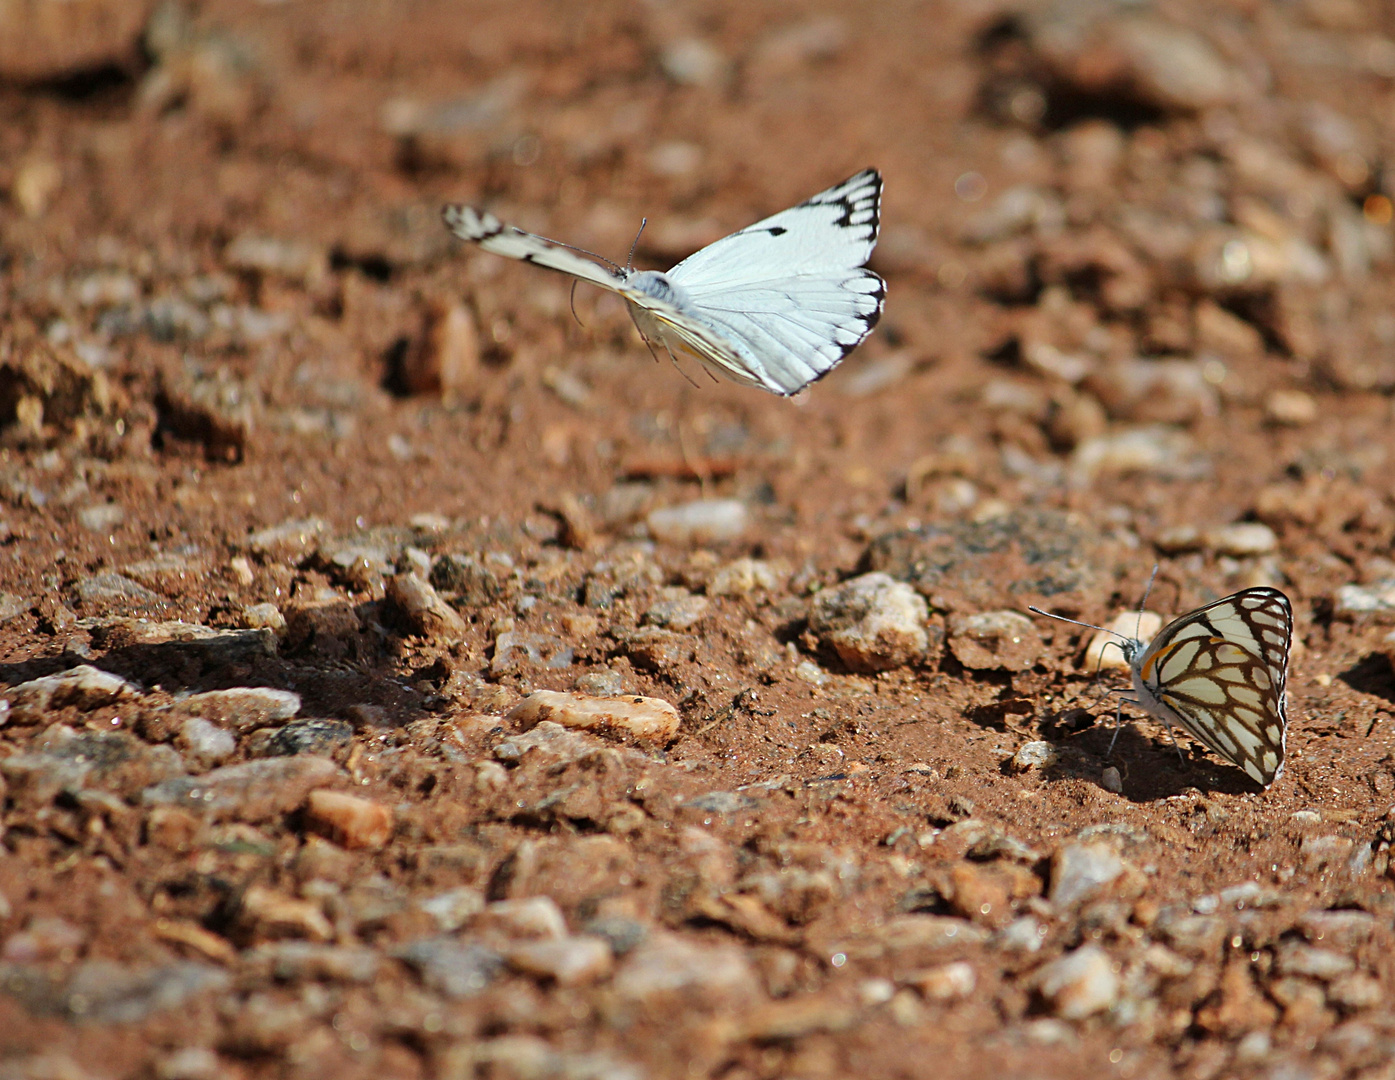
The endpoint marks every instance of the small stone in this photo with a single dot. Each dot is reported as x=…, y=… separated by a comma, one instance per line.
x=1316, y=851
x=798, y=1018
x=678, y=610
x=515, y=650
x=605, y=683
x=1344, y=930
x=103, y=991
x=102, y=592
x=304, y=961
x=873, y=622
x=1195, y=935
x=651, y=720
x=693, y=62
x=1296, y=958
x=945, y=983
x=421, y=609
x=475, y=583
x=307, y=736
x=453, y=908
x=289, y=541
x=1242, y=540
x=995, y=641
x=571, y=961
x=916, y=932
x=46, y=937
x=349, y=820
x=655, y=649
x=264, y=616
x=242, y=708
x=1104, y=652
x=168, y=574
x=454, y=968
x=667, y=968
x=1023, y=934
x=1111, y=781
x=1219, y=332
x=1079, y=984
x=190, y=1063
x=706, y=521
x=444, y=360
x=293, y=259
x=743, y=577
x=35, y=183
x=205, y=741
x=101, y=518
x=1155, y=391
x=243, y=574
x=810, y=672
x=1023, y=208
x=83, y=687
x=1033, y=755
x=535, y=917
x=254, y=791
x=274, y=914
x=12, y=606
x=1360, y=600
x=1290, y=408
x=319, y=622
x=1156, y=450
x=1080, y=872
x=1356, y=992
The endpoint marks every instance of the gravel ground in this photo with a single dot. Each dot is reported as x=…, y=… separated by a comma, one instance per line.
x=406, y=679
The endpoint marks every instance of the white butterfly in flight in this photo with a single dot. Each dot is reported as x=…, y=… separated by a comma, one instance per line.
x=775, y=306
x=1219, y=673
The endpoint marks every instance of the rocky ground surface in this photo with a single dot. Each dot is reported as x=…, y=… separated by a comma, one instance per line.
x=406, y=679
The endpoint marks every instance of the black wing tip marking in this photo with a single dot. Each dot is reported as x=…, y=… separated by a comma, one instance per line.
x=859, y=197
x=471, y=224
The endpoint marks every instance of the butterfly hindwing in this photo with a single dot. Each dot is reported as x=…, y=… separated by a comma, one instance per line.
x=1220, y=672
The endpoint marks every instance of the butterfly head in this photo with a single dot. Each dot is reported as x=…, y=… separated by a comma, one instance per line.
x=654, y=283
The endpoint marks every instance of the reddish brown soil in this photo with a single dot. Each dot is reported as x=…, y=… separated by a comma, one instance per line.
x=202, y=394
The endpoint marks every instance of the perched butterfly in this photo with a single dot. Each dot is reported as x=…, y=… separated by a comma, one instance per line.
x=1219, y=673
x=775, y=306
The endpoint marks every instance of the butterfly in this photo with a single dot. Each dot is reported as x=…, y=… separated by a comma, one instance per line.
x=776, y=305
x=1219, y=673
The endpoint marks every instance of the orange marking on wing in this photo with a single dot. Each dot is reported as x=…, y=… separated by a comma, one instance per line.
x=1147, y=671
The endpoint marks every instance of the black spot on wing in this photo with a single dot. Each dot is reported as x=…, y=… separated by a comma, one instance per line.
x=777, y=231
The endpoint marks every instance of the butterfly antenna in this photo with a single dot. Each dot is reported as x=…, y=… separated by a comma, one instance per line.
x=630, y=261
x=1077, y=622
x=615, y=267
x=1144, y=604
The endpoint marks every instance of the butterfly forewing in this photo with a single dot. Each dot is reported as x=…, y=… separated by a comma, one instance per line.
x=1220, y=671
x=490, y=233
x=835, y=230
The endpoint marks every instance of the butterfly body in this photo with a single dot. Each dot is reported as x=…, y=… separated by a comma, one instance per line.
x=1219, y=673
x=775, y=305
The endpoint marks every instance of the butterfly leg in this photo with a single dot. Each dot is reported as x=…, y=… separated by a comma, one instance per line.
x=1118, y=723
x=677, y=365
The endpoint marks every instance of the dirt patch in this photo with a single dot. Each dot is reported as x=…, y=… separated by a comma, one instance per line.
x=300, y=500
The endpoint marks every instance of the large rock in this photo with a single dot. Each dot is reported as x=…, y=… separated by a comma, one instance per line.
x=873, y=622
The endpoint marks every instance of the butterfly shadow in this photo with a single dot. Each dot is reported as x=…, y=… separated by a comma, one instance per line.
x=1149, y=766
x=1373, y=675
